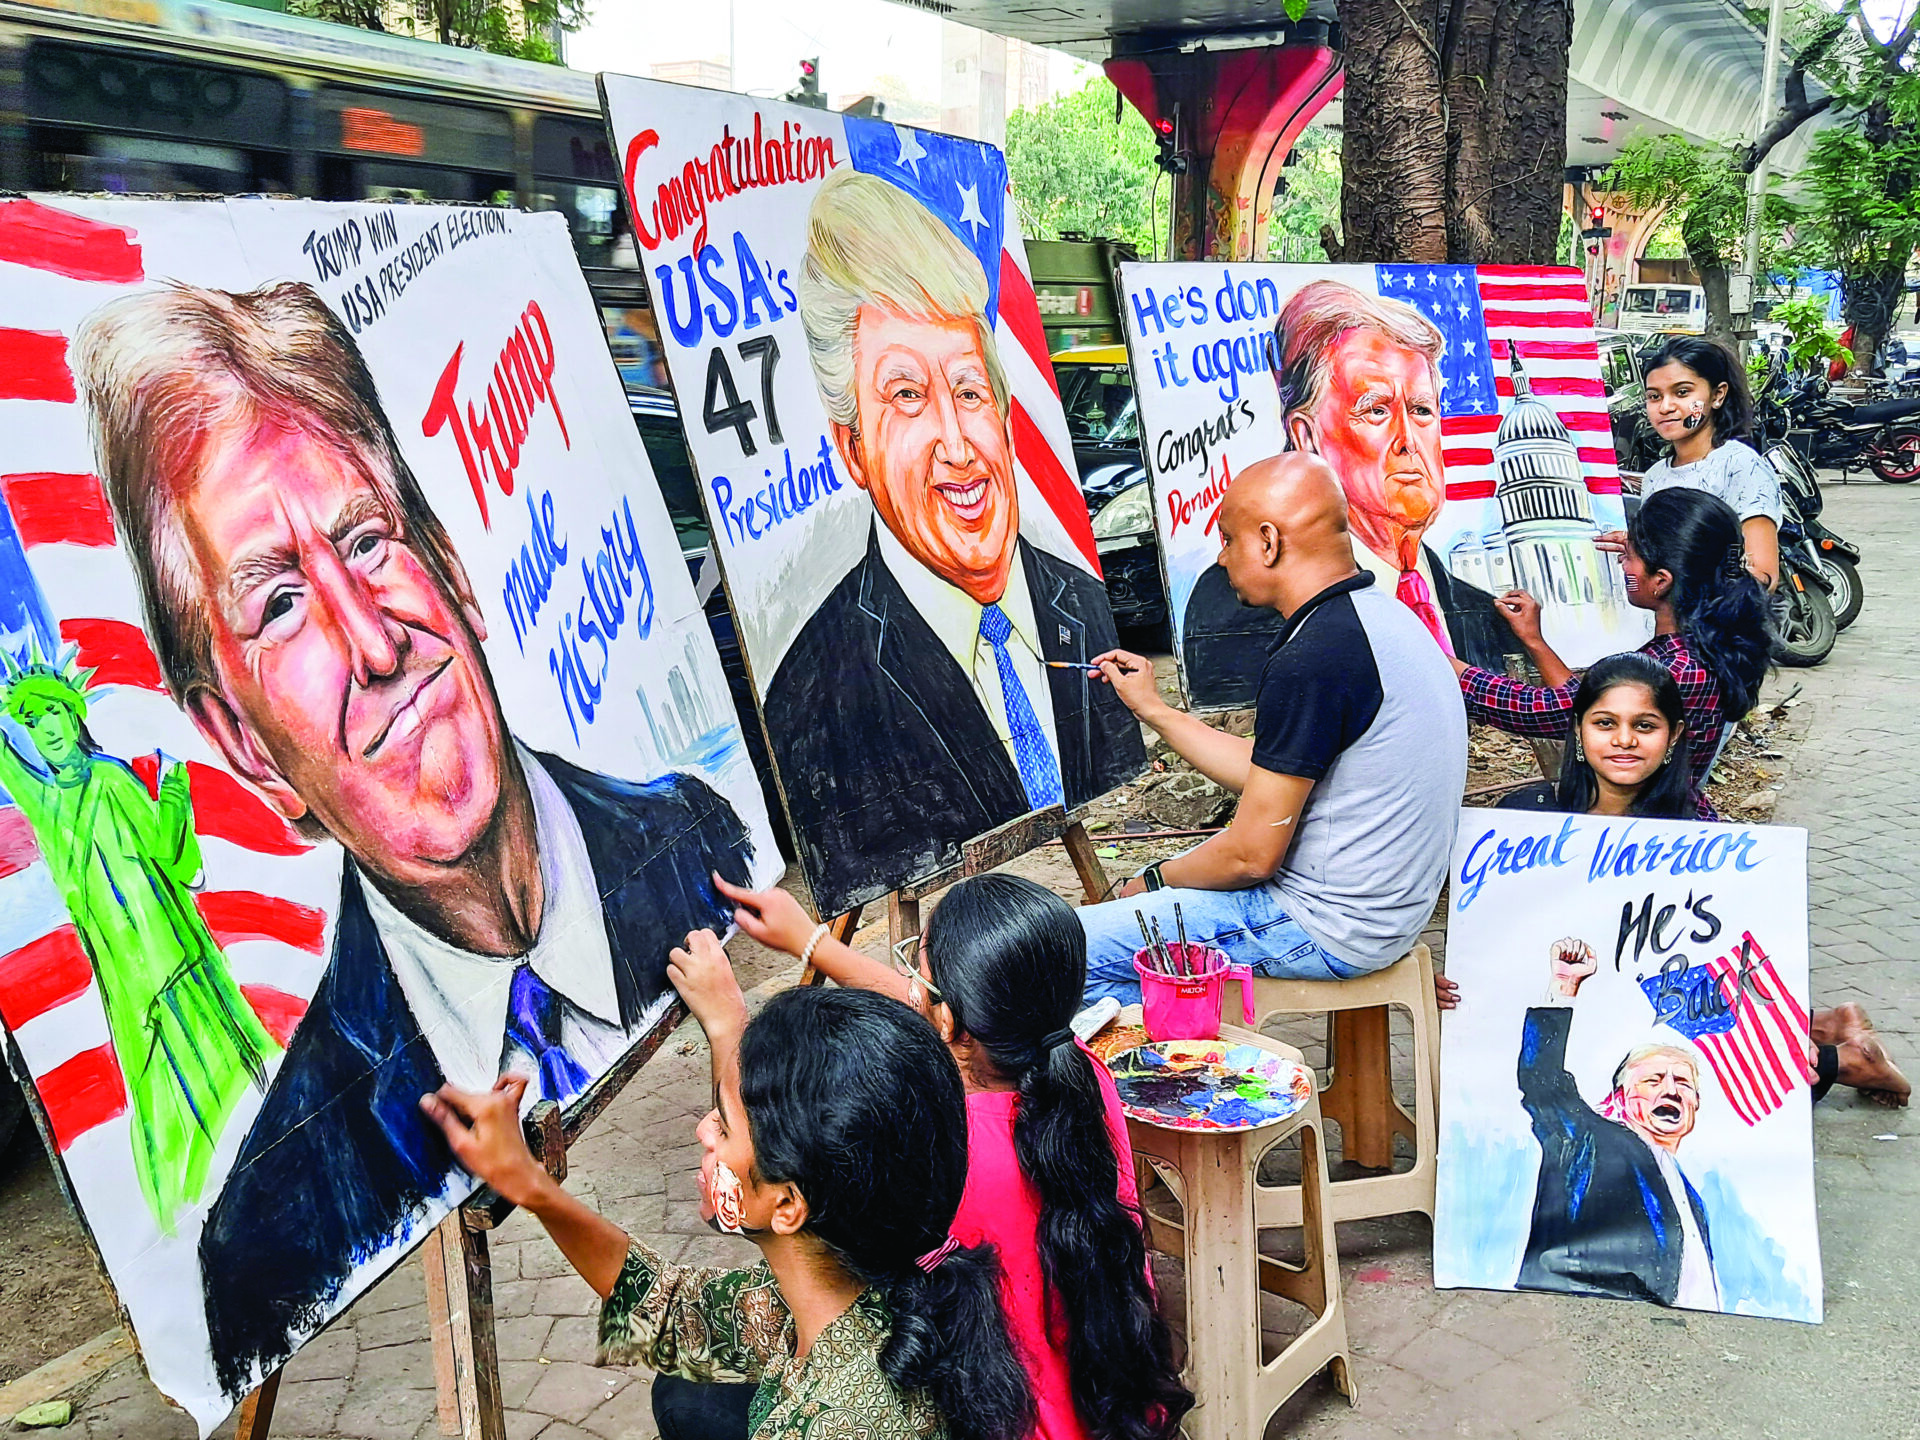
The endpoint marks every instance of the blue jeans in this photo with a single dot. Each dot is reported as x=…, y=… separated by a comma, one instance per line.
x=1250, y=925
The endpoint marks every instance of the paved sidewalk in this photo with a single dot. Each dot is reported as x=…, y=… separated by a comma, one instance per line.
x=1428, y=1363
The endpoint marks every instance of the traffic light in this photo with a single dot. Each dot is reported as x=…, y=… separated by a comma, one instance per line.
x=1169, y=159
x=807, y=92
x=1597, y=216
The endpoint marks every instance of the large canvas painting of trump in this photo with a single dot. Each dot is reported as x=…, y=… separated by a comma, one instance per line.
x=359, y=732
x=856, y=347
x=1461, y=407
x=1625, y=1086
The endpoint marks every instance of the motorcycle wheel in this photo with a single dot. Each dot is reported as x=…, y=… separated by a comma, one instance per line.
x=1847, y=595
x=1899, y=462
x=1804, y=628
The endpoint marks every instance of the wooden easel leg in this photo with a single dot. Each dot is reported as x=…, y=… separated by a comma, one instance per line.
x=1086, y=864
x=903, y=918
x=841, y=928
x=256, y=1411
x=461, y=1307
x=1361, y=1095
x=433, y=1260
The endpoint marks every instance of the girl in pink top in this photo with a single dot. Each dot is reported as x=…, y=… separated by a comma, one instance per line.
x=1000, y=972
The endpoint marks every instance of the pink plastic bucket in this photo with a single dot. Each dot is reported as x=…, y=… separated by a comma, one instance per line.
x=1187, y=1007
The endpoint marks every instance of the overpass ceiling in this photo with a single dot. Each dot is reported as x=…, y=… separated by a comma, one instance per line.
x=1637, y=66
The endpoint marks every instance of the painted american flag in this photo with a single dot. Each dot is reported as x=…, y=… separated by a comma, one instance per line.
x=965, y=183
x=1484, y=311
x=266, y=892
x=1755, y=1036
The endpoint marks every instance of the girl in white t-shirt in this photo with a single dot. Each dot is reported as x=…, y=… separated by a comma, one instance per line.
x=1698, y=403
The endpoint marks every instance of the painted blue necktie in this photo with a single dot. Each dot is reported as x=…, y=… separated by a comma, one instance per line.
x=533, y=1023
x=1039, y=771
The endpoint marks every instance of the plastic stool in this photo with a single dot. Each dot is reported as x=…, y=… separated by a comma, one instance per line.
x=1225, y=1271
x=1359, y=1093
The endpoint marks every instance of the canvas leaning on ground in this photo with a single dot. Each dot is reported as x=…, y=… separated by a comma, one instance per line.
x=847, y=317
x=1461, y=406
x=1624, y=1094
x=359, y=732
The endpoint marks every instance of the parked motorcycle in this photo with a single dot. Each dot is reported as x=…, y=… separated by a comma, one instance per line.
x=1884, y=436
x=1838, y=561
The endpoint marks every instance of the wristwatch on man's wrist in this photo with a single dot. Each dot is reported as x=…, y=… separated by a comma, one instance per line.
x=1153, y=877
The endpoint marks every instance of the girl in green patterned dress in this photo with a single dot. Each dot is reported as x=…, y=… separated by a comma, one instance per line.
x=838, y=1145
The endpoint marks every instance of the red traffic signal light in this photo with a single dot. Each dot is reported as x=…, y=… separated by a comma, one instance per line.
x=1596, y=216
x=1164, y=126
x=807, y=68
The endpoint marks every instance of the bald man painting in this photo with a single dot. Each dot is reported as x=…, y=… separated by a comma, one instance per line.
x=1350, y=783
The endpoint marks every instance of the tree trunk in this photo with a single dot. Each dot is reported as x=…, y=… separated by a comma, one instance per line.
x=1867, y=303
x=1455, y=139
x=1393, y=151
x=1714, y=277
x=1505, y=66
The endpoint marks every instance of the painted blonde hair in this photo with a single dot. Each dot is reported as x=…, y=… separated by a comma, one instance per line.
x=163, y=370
x=1315, y=318
x=870, y=243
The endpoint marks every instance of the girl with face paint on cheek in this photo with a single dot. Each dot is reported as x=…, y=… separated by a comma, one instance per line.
x=1700, y=407
x=838, y=1146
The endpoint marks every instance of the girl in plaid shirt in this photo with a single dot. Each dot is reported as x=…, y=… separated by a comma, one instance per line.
x=1685, y=561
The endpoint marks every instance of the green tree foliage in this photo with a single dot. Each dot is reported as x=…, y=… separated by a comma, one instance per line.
x=521, y=28
x=1308, y=199
x=1859, y=211
x=1703, y=191
x=1811, y=341
x=1074, y=169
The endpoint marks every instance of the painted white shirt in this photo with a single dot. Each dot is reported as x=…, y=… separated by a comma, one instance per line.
x=460, y=998
x=1386, y=574
x=1698, y=1290
x=954, y=616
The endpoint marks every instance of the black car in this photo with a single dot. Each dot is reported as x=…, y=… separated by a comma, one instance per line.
x=1634, y=442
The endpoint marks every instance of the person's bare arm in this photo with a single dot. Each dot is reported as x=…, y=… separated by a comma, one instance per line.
x=1762, y=538
x=483, y=1129
x=1224, y=759
x=1522, y=614
x=1250, y=849
x=775, y=919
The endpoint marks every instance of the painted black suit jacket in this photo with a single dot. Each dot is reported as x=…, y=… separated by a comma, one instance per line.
x=1604, y=1222
x=1224, y=644
x=889, y=761
x=341, y=1159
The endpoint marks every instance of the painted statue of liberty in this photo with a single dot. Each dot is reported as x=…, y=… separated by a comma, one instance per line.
x=125, y=863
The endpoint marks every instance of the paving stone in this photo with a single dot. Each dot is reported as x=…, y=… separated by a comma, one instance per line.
x=1445, y=1360
x=408, y=1366
x=627, y=1416
x=330, y=1356
x=382, y=1412
x=571, y=1391
x=565, y=1295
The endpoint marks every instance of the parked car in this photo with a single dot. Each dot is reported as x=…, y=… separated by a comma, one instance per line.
x=1635, y=444
x=659, y=425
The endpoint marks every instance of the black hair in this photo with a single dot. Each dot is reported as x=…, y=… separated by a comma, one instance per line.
x=852, y=1099
x=1010, y=959
x=1668, y=793
x=1714, y=363
x=1719, y=607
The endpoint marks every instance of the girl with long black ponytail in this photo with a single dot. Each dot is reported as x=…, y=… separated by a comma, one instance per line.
x=1684, y=560
x=1050, y=1178
x=838, y=1145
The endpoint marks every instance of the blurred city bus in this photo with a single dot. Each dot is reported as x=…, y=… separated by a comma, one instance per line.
x=185, y=96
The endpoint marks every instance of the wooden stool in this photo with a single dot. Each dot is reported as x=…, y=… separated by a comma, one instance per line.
x=1359, y=1092
x=1226, y=1272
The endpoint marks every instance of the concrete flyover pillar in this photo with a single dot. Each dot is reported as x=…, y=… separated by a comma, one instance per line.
x=1234, y=115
